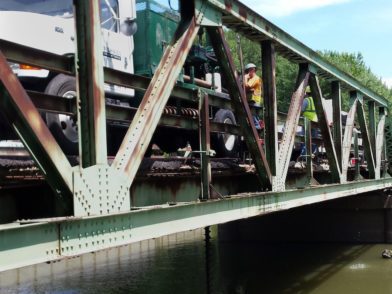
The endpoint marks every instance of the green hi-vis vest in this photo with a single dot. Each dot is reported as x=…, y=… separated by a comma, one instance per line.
x=310, y=111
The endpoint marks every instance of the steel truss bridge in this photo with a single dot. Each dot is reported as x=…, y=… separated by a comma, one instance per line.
x=100, y=213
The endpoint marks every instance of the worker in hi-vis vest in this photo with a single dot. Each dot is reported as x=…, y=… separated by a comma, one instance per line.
x=308, y=109
x=309, y=114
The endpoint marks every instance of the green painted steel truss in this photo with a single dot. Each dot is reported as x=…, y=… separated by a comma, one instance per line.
x=98, y=193
x=37, y=241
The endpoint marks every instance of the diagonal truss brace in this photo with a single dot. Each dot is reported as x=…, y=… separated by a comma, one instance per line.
x=240, y=104
x=32, y=130
x=325, y=130
x=287, y=143
x=366, y=141
x=147, y=117
x=348, y=135
x=336, y=94
x=380, y=137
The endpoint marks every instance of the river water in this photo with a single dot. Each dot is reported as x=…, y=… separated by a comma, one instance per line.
x=187, y=263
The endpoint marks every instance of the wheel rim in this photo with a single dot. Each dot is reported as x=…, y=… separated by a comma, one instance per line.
x=228, y=139
x=67, y=123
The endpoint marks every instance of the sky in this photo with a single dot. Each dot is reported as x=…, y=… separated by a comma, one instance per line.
x=363, y=26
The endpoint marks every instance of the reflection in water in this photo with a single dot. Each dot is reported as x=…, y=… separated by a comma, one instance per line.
x=194, y=263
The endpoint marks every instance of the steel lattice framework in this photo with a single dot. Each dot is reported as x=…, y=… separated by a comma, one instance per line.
x=99, y=193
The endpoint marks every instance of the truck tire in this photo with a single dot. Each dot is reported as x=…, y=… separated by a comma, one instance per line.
x=225, y=145
x=63, y=127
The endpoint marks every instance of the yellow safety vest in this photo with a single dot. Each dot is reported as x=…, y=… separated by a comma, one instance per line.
x=310, y=111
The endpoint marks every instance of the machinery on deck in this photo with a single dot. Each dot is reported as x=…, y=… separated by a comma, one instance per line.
x=134, y=35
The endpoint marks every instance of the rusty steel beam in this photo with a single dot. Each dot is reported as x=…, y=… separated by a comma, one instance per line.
x=147, y=117
x=38, y=58
x=336, y=95
x=324, y=127
x=357, y=174
x=270, y=104
x=366, y=143
x=89, y=76
x=348, y=135
x=380, y=137
x=50, y=103
x=65, y=64
x=124, y=115
x=141, y=83
x=25, y=119
x=372, y=125
x=286, y=145
x=204, y=137
x=308, y=145
x=240, y=104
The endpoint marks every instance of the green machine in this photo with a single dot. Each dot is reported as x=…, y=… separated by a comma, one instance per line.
x=157, y=22
x=156, y=26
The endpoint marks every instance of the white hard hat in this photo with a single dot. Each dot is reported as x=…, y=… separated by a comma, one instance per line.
x=250, y=65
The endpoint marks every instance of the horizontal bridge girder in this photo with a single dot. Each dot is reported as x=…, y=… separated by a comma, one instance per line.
x=65, y=237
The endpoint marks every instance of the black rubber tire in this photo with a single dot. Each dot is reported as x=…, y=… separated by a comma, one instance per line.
x=170, y=139
x=218, y=140
x=58, y=86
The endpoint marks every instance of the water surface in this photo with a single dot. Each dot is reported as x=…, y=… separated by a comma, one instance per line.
x=184, y=264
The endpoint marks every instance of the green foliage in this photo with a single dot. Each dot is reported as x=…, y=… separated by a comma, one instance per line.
x=286, y=71
x=354, y=64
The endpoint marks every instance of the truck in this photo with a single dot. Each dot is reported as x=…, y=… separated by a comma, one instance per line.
x=134, y=36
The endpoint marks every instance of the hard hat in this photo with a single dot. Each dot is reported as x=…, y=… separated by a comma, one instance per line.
x=249, y=66
x=307, y=90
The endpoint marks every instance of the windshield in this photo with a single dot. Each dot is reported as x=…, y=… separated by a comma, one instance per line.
x=63, y=8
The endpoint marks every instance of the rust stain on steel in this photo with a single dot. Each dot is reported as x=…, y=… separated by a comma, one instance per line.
x=247, y=109
x=95, y=60
x=158, y=91
x=229, y=5
x=34, y=119
x=243, y=12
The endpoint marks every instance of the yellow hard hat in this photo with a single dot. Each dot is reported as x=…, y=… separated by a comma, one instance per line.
x=307, y=90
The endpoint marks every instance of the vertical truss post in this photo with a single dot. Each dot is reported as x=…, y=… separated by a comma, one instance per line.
x=356, y=157
x=90, y=83
x=147, y=117
x=372, y=125
x=324, y=127
x=240, y=104
x=380, y=141
x=287, y=143
x=384, y=158
x=270, y=113
x=308, y=146
x=28, y=124
x=204, y=135
x=367, y=146
x=348, y=134
x=336, y=94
